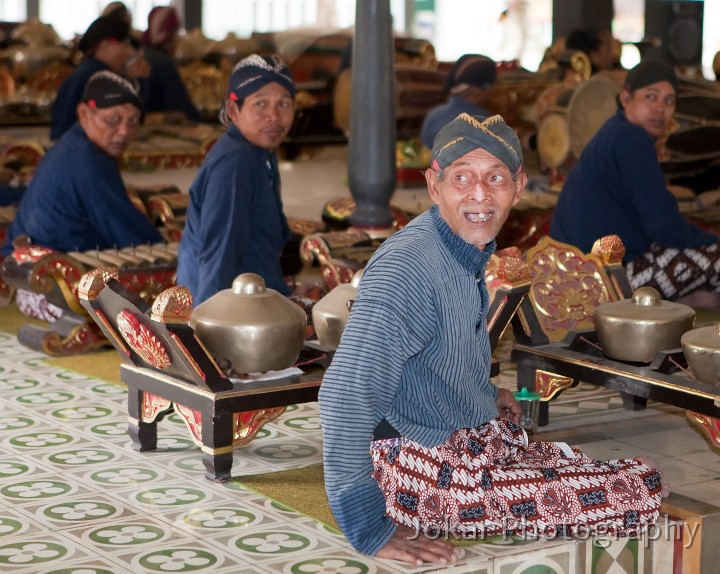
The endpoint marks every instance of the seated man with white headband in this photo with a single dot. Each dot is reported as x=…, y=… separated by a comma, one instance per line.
x=77, y=199
x=235, y=223
x=418, y=443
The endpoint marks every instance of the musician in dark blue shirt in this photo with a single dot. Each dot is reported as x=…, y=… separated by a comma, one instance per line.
x=105, y=46
x=77, y=200
x=235, y=222
x=617, y=187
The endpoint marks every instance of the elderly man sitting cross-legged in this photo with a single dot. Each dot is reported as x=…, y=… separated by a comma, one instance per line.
x=77, y=200
x=417, y=440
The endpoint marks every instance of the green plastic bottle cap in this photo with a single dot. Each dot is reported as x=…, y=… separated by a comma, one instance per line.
x=526, y=394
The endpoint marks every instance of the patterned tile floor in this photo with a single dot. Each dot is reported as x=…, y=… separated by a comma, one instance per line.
x=75, y=498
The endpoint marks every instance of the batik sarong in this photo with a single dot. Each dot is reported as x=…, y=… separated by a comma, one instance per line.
x=488, y=481
x=677, y=272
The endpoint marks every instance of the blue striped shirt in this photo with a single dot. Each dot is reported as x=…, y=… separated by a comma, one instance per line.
x=415, y=352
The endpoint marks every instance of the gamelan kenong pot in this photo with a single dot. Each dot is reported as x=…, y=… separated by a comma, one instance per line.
x=331, y=313
x=636, y=329
x=254, y=327
x=701, y=348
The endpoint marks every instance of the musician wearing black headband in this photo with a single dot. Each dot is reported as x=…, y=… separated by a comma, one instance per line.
x=105, y=45
x=617, y=187
x=235, y=223
x=77, y=200
x=418, y=444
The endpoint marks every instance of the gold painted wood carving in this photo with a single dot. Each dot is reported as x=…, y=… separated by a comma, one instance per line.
x=174, y=305
x=193, y=421
x=92, y=282
x=152, y=406
x=247, y=424
x=550, y=384
x=710, y=426
x=567, y=286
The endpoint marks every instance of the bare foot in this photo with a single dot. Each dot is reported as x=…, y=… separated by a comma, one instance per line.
x=652, y=463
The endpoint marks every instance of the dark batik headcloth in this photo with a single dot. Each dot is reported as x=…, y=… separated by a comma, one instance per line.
x=253, y=72
x=467, y=133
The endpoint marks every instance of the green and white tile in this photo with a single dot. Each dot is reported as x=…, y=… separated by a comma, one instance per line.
x=43, y=552
x=70, y=511
x=75, y=498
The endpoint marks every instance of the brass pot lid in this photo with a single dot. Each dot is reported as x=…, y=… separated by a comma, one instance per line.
x=702, y=339
x=645, y=305
x=248, y=302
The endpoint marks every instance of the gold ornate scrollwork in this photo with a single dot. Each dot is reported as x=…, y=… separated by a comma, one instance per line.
x=82, y=339
x=174, y=305
x=580, y=63
x=152, y=406
x=550, y=384
x=710, y=426
x=142, y=340
x=247, y=424
x=567, y=287
x=193, y=422
x=94, y=281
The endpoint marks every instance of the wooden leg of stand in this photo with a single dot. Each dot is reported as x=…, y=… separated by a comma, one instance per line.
x=217, y=439
x=544, y=414
x=633, y=403
x=218, y=467
x=142, y=434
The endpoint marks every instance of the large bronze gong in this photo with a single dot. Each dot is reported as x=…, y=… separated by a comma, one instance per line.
x=564, y=133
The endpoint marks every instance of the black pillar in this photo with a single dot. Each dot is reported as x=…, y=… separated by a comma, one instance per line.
x=371, y=169
x=193, y=14
x=33, y=9
x=569, y=15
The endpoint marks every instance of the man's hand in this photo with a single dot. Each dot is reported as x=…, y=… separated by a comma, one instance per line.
x=407, y=546
x=507, y=406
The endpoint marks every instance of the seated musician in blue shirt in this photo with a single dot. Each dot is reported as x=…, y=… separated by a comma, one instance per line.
x=468, y=85
x=235, y=222
x=418, y=444
x=617, y=187
x=105, y=45
x=77, y=199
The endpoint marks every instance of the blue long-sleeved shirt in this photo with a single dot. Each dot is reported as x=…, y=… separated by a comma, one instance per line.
x=440, y=115
x=617, y=187
x=166, y=90
x=415, y=352
x=235, y=222
x=77, y=201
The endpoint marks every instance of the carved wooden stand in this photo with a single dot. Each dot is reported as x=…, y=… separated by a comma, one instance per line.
x=558, y=347
x=166, y=365
x=55, y=276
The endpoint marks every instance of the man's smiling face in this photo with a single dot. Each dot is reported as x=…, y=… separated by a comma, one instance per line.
x=475, y=194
